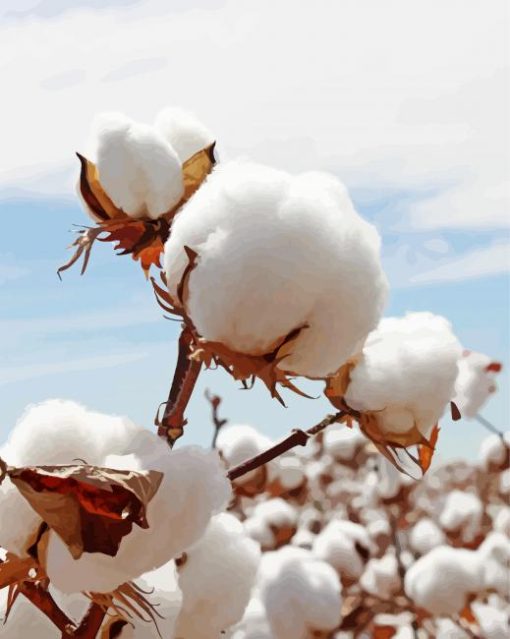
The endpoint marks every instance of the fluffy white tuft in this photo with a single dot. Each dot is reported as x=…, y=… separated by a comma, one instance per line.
x=462, y=512
x=407, y=371
x=493, y=451
x=381, y=577
x=426, y=535
x=342, y=442
x=186, y=134
x=475, y=382
x=278, y=253
x=216, y=579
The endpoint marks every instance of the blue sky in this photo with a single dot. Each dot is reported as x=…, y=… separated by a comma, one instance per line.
x=419, y=135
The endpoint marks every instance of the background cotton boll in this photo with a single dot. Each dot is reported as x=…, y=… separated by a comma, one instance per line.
x=288, y=471
x=342, y=442
x=494, y=553
x=448, y=629
x=380, y=577
x=276, y=253
x=462, y=512
x=426, y=535
x=441, y=580
x=138, y=169
x=502, y=521
x=194, y=487
x=475, y=382
x=216, y=579
x=272, y=523
x=494, y=623
x=345, y=545
x=494, y=452
x=390, y=480
x=254, y=624
x=407, y=371
x=301, y=594
x=186, y=134
x=239, y=442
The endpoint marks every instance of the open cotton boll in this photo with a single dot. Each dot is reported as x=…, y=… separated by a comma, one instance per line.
x=494, y=623
x=183, y=131
x=272, y=523
x=278, y=253
x=345, y=546
x=475, y=382
x=504, y=482
x=19, y=523
x=501, y=521
x=193, y=489
x=216, y=578
x=494, y=553
x=342, y=442
x=301, y=594
x=407, y=372
x=494, y=452
x=381, y=577
x=448, y=629
x=137, y=167
x=61, y=431
x=462, y=512
x=289, y=472
x=390, y=480
x=426, y=535
x=254, y=624
x=441, y=580
x=239, y=442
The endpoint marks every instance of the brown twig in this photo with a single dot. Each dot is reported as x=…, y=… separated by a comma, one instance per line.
x=215, y=401
x=490, y=427
x=185, y=377
x=297, y=437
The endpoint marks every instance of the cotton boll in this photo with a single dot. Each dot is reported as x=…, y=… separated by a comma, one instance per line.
x=301, y=594
x=138, y=169
x=239, y=442
x=278, y=253
x=462, y=512
x=406, y=372
x=194, y=487
x=475, y=382
x=494, y=452
x=254, y=624
x=216, y=578
x=272, y=523
x=494, y=623
x=390, y=481
x=447, y=629
x=494, y=553
x=381, y=577
x=501, y=521
x=426, y=535
x=504, y=482
x=185, y=133
x=19, y=522
x=289, y=472
x=344, y=545
x=441, y=580
x=342, y=442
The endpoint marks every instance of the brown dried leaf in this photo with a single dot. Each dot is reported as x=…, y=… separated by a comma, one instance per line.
x=426, y=452
x=196, y=169
x=15, y=569
x=96, y=199
x=384, y=632
x=90, y=508
x=337, y=384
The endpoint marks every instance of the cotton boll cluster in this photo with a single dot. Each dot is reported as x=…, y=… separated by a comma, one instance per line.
x=216, y=576
x=301, y=594
x=462, y=514
x=406, y=373
x=278, y=253
x=475, y=382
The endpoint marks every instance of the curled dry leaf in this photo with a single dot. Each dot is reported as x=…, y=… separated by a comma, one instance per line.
x=90, y=508
x=394, y=446
x=143, y=238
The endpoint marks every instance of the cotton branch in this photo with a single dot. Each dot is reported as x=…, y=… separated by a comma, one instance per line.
x=215, y=401
x=185, y=377
x=297, y=437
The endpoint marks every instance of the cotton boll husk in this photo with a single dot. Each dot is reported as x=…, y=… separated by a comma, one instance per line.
x=502, y=521
x=462, y=512
x=194, y=487
x=276, y=253
x=426, y=535
x=60, y=432
x=474, y=383
x=138, y=168
x=185, y=133
x=494, y=623
x=336, y=544
x=216, y=579
x=301, y=594
x=407, y=371
x=342, y=442
x=441, y=580
x=380, y=577
x=239, y=442
x=493, y=451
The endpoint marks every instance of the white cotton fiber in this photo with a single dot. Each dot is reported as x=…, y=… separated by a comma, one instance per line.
x=339, y=543
x=19, y=523
x=390, y=480
x=462, y=512
x=448, y=629
x=441, y=580
x=342, y=442
x=186, y=134
x=426, y=535
x=475, y=382
x=501, y=521
x=494, y=623
x=494, y=451
x=407, y=372
x=494, y=554
x=216, y=579
x=278, y=253
x=380, y=577
x=137, y=167
x=254, y=624
x=239, y=442
x=301, y=594
x=194, y=488
x=272, y=522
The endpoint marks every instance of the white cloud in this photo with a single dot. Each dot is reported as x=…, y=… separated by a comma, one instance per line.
x=490, y=260
x=400, y=94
